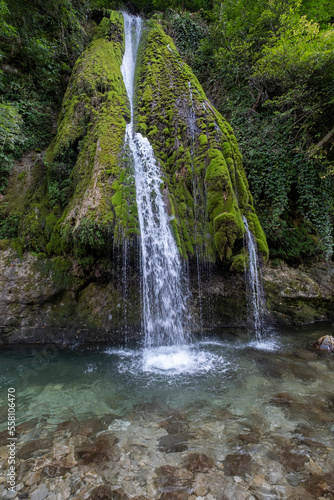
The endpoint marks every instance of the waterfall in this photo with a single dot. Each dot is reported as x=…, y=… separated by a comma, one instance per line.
x=254, y=289
x=164, y=298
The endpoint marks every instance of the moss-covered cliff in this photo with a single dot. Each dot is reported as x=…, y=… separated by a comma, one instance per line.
x=206, y=189
x=84, y=196
x=84, y=201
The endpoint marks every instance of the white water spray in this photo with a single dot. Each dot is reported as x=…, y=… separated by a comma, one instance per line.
x=164, y=300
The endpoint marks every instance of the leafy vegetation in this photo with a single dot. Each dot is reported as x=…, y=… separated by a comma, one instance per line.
x=269, y=69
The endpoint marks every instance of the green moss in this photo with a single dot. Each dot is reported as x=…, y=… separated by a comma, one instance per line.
x=255, y=227
x=200, y=160
x=91, y=131
x=239, y=262
x=203, y=140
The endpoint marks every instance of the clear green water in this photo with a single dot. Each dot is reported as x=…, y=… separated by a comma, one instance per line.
x=271, y=401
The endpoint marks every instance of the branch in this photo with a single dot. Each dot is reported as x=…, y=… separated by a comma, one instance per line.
x=323, y=141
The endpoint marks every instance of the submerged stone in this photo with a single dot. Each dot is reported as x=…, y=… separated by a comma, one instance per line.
x=102, y=451
x=37, y=447
x=237, y=464
x=174, y=424
x=173, y=483
x=174, y=442
x=199, y=462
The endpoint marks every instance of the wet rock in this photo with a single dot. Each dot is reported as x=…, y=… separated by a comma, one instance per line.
x=108, y=419
x=155, y=406
x=306, y=355
x=68, y=425
x=40, y=493
x=100, y=452
x=237, y=464
x=37, y=447
x=319, y=486
x=33, y=478
x=103, y=493
x=281, y=399
x=314, y=468
x=89, y=427
x=268, y=366
x=175, y=424
x=198, y=462
x=200, y=485
x=4, y=437
x=28, y=426
x=173, y=483
x=293, y=459
x=311, y=443
x=173, y=443
x=174, y=495
x=223, y=413
x=251, y=437
x=325, y=343
x=54, y=470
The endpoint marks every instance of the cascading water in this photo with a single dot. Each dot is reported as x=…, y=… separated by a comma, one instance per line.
x=255, y=294
x=164, y=300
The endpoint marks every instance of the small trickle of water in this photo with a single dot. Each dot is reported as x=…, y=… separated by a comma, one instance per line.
x=256, y=302
x=164, y=298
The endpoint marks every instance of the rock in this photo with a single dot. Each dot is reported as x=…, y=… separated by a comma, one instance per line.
x=251, y=437
x=54, y=470
x=200, y=485
x=281, y=399
x=174, y=442
x=292, y=459
x=40, y=493
x=104, y=493
x=175, y=424
x=173, y=481
x=100, y=452
x=319, y=486
x=198, y=462
x=325, y=343
x=237, y=464
x=33, y=478
x=314, y=468
x=37, y=447
x=27, y=426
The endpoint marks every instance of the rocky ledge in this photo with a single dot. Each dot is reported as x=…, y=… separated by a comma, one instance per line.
x=43, y=299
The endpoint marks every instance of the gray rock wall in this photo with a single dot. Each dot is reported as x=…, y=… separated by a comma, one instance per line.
x=54, y=300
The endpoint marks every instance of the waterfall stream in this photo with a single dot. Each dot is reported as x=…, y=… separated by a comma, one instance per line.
x=164, y=298
x=254, y=289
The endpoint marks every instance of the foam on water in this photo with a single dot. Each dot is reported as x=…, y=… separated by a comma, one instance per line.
x=170, y=361
x=269, y=345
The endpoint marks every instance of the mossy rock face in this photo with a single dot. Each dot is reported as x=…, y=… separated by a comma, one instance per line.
x=87, y=197
x=94, y=115
x=83, y=200
x=198, y=154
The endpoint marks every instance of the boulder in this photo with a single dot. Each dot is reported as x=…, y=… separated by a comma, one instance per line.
x=325, y=343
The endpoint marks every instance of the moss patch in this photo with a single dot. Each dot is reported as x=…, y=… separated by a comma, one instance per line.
x=198, y=154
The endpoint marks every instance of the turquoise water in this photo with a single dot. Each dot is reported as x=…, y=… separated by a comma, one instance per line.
x=272, y=402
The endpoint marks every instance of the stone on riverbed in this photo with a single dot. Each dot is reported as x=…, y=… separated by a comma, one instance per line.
x=325, y=343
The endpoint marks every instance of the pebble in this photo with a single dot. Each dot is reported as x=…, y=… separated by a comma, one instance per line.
x=40, y=493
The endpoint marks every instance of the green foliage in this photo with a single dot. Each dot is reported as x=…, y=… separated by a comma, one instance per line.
x=10, y=138
x=270, y=70
x=8, y=224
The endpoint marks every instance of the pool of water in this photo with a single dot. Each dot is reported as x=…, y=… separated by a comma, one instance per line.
x=223, y=418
